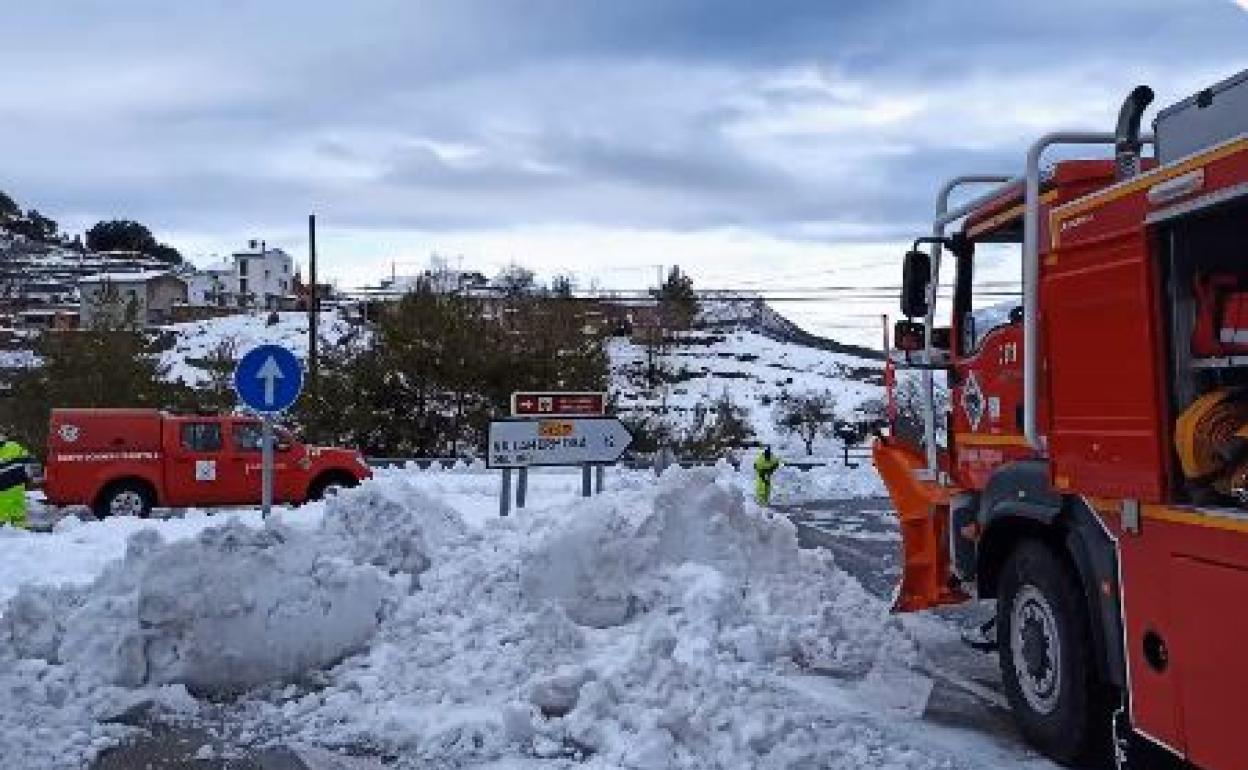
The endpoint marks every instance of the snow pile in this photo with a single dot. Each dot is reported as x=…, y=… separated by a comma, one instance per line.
x=375, y=524
x=657, y=628
x=225, y=610
x=230, y=609
x=666, y=624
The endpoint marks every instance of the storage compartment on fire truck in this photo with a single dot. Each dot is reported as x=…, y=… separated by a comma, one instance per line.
x=1207, y=288
x=104, y=430
x=1197, y=123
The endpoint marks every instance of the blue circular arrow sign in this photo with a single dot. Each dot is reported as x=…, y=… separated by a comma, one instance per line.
x=268, y=378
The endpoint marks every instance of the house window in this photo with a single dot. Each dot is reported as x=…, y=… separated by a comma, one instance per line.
x=242, y=267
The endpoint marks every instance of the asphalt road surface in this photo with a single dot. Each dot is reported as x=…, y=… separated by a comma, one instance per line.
x=863, y=538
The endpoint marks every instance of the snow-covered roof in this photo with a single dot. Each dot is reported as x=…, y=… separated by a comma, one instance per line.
x=142, y=276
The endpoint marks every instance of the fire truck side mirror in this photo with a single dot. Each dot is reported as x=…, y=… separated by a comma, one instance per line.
x=916, y=272
x=908, y=336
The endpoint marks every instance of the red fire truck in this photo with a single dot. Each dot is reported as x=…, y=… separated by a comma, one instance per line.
x=1091, y=472
x=126, y=461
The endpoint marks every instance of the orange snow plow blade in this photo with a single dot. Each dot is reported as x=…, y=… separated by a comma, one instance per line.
x=923, y=512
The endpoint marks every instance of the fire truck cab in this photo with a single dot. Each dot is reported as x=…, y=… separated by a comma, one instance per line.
x=127, y=461
x=1091, y=472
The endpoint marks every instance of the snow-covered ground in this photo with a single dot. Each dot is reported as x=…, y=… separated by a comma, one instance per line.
x=197, y=339
x=660, y=625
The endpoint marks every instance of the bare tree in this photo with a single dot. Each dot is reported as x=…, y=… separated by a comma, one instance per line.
x=807, y=415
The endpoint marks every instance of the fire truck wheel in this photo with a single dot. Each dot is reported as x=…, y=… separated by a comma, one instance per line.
x=1044, y=646
x=128, y=498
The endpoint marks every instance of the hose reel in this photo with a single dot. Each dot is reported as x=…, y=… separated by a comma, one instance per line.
x=1211, y=438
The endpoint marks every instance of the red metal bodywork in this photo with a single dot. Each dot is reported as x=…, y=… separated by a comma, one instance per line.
x=1106, y=413
x=89, y=449
x=1184, y=572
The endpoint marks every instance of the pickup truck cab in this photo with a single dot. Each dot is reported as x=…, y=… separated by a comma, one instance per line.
x=127, y=461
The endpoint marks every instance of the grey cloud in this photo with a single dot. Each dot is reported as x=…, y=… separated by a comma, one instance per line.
x=597, y=113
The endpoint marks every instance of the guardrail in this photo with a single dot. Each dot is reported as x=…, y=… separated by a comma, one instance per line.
x=851, y=457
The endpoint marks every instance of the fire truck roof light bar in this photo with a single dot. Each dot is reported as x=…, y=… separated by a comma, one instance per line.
x=1031, y=269
x=943, y=217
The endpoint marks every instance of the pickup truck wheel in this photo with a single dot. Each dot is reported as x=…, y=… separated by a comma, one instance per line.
x=1045, y=645
x=330, y=486
x=125, y=499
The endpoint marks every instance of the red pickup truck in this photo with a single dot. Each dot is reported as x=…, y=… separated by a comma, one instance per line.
x=127, y=461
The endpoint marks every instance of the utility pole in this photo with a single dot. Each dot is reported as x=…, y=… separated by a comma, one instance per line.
x=314, y=302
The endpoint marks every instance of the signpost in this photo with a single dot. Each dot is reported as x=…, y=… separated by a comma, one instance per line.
x=268, y=379
x=545, y=404
x=556, y=441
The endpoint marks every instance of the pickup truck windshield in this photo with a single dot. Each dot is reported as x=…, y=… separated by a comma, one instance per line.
x=247, y=436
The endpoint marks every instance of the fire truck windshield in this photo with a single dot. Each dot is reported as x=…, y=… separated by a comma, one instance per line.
x=994, y=278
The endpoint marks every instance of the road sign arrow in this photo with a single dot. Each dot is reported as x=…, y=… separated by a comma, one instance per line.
x=268, y=378
x=520, y=443
x=270, y=372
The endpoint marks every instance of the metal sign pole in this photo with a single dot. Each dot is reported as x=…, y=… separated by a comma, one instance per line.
x=266, y=439
x=504, y=498
x=522, y=487
x=600, y=476
x=586, y=487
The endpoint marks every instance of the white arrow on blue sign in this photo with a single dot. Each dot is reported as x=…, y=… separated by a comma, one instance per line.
x=268, y=378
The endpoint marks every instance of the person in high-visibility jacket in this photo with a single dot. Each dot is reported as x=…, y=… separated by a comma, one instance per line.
x=765, y=467
x=14, y=473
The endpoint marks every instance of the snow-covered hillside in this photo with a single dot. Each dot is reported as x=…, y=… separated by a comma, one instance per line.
x=197, y=339
x=753, y=368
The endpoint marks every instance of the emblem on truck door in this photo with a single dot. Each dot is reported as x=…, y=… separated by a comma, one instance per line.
x=205, y=470
x=973, y=401
x=68, y=432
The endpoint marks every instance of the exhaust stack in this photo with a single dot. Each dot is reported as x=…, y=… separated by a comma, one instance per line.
x=1127, y=144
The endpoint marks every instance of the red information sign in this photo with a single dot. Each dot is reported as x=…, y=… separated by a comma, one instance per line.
x=558, y=404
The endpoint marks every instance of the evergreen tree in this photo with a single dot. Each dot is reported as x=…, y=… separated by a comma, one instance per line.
x=219, y=363
x=678, y=303
x=33, y=225
x=516, y=281
x=8, y=208
x=128, y=235
x=436, y=368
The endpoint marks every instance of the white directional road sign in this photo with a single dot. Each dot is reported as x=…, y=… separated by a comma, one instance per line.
x=576, y=441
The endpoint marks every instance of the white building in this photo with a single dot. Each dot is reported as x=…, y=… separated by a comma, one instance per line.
x=213, y=286
x=265, y=276
x=255, y=278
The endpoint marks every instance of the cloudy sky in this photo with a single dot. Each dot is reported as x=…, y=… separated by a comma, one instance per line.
x=763, y=144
